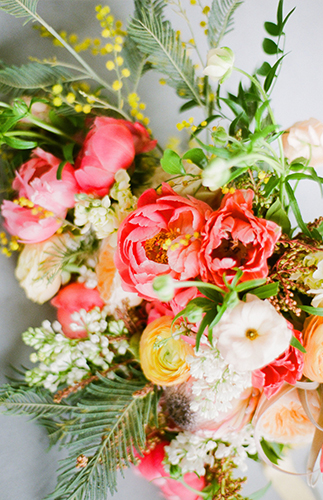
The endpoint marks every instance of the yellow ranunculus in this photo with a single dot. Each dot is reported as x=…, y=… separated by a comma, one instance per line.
x=163, y=358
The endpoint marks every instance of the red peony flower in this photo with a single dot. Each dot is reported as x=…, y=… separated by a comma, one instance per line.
x=151, y=467
x=162, y=236
x=109, y=146
x=71, y=299
x=287, y=368
x=235, y=238
x=47, y=198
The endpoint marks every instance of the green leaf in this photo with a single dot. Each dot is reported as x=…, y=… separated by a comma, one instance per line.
x=207, y=320
x=272, y=74
x=276, y=213
x=294, y=342
x=16, y=143
x=60, y=169
x=197, y=156
x=188, y=105
x=220, y=20
x=295, y=208
x=257, y=495
x=249, y=284
x=315, y=311
x=156, y=39
x=271, y=185
x=270, y=47
x=20, y=8
x=266, y=291
x=32, y=76
x=280, y=13
x=264, y=69
x=68, y=152
x=172, y=163
x=272, y=29
x=272, y=450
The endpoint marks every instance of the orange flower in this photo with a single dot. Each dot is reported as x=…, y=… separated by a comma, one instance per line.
x=313, y=343
x=286, y=421
x=162, y=357
x=105, y=271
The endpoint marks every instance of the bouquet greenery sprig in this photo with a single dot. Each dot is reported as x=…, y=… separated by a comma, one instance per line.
x=188, y=288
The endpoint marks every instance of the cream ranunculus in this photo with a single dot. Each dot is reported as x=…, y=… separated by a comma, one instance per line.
x=313, y=343
x=305, y=139
x=162, y=357
x=252, y=334
x=219, y=64
x=33, y=262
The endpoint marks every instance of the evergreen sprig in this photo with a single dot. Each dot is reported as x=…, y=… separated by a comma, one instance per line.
x=220, y=20
x=155, y=37
x=108, y=436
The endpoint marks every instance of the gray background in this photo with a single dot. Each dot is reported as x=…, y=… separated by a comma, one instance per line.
x=27, y=472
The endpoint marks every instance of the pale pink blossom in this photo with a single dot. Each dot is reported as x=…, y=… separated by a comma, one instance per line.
x=305, y=139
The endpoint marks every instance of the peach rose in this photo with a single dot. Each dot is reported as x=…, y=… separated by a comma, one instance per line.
x=286, y=421
x=305, y=139
x=313, y=343
x=164, y=364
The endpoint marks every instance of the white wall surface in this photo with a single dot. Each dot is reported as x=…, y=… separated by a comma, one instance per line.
x=27, y=471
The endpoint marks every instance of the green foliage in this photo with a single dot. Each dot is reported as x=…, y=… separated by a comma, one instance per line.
x=277, y=214
x=294, y=342
x=32, y=76
x=220, y=21
x=20, y=8
x=134, y=60
x=197, y=156
x=156, y=39
x=172, y=163
x=272, y=450
x=109, y=433
x=266, y=291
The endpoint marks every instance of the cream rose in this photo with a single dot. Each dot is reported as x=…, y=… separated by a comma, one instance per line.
x=33, y=262
x=219, y=64
x=305, y=139
x=313, y=343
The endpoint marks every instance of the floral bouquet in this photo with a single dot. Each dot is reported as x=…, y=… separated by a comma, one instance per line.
x=188, y=289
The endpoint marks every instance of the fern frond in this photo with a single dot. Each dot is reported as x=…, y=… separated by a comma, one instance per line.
x=20, y=8
x=33, y=402
x=110, y=434
x=155, y=37
x=221, y=20
x=32, y=76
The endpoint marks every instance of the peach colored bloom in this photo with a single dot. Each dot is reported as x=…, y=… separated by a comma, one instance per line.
x=313, y=343
x=305, y=139
x=162, y=357
x=162, y=236
x=286, y=421
x=235, y=238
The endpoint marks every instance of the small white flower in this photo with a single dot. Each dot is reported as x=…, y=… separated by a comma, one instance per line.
x=216, y=174
x=252, y=334
x=219, y=64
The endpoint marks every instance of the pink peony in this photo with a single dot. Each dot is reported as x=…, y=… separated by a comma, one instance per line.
x=72, y=298
x=151, y=467
x=235, y=238
x=162, y=236
x=288, y=367
x=48, y=198
x=109, y=146
x=29, y=228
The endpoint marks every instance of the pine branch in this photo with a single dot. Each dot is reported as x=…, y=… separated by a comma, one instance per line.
x=221, y=20
x=108, y=437
x=154, y=37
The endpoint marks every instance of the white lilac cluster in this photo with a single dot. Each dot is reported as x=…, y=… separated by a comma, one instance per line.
x=67, y=361
x=105, y=215
x=215, y=384
x=193, y=452
x=310, y=278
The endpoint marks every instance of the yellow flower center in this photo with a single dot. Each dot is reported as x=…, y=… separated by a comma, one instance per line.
x=251, y=334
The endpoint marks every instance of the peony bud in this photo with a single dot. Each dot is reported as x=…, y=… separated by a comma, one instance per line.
x=219, y=64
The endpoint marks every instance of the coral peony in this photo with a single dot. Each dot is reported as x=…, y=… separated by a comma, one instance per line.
x=109, y=146
x=287, y=368
x=162, y=357
x=235, y=238
x=43, y=199
x=286, y=421
x=72, y=299
x=162, y=236
x=313, y=343
x=151, y=468
x=305, y=139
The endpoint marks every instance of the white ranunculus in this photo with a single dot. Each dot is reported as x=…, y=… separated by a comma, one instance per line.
x=252, y=334
x=32, y=263
x=219, y=64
